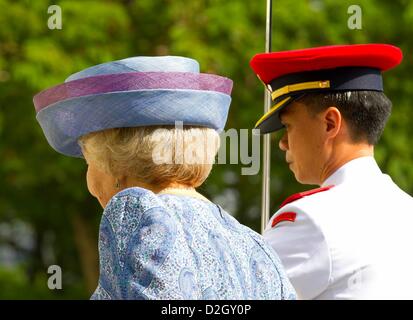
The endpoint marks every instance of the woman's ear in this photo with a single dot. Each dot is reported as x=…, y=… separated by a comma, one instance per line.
x=333, y=121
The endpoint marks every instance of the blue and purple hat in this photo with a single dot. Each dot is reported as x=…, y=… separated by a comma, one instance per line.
x=289, y=75
x=137, y=91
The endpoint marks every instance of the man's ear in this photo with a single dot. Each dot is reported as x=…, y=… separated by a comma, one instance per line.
x=333, y=121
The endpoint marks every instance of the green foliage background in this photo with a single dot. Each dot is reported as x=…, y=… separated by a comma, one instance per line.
x=47, y=215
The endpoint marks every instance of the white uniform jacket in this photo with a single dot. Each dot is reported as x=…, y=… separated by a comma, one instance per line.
x=350, y=241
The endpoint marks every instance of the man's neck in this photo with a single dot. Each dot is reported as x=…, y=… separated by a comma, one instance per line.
x=345, y=154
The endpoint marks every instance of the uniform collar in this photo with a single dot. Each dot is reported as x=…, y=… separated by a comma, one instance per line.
x=354, y=170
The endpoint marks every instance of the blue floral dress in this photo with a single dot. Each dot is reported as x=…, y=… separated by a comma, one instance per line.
x=165, y=246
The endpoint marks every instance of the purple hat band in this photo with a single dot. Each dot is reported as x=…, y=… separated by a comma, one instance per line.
x=132, y=81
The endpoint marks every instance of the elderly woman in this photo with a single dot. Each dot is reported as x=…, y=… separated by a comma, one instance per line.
x=148, y=130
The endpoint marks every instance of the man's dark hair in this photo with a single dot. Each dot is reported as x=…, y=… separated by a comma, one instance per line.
x=366, y=112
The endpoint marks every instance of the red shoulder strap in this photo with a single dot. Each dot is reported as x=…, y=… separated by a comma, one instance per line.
x=285, y=216
x=300, y=195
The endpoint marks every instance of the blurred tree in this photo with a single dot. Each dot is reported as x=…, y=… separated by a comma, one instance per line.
x=46, y=192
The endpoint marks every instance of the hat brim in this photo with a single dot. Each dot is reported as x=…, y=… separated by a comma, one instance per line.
x=64, y=122
x=271, y=121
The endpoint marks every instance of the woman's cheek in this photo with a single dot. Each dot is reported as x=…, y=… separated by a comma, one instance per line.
x=91, y=183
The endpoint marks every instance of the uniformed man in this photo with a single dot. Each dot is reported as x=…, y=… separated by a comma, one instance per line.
x=352, y=238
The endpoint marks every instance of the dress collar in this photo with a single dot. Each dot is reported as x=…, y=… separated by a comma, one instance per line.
x=355, y=169
x=190, y=192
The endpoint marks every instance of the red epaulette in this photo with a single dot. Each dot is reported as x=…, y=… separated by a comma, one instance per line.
x=300, y=195
x=290, y=216
x=285, y=216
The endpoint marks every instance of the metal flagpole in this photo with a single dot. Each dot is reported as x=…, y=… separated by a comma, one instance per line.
x=265, y=201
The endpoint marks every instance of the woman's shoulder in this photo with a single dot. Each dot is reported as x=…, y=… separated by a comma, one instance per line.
x=137, y=198
x=135, y=192
x=129, y=208
x=137, y=234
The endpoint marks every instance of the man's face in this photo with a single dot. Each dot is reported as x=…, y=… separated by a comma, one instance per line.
x=303, y=142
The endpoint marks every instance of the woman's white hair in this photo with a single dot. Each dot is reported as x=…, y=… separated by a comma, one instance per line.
x=156, y=155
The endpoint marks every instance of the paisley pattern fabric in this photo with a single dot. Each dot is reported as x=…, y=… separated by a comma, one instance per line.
x=179, y=247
